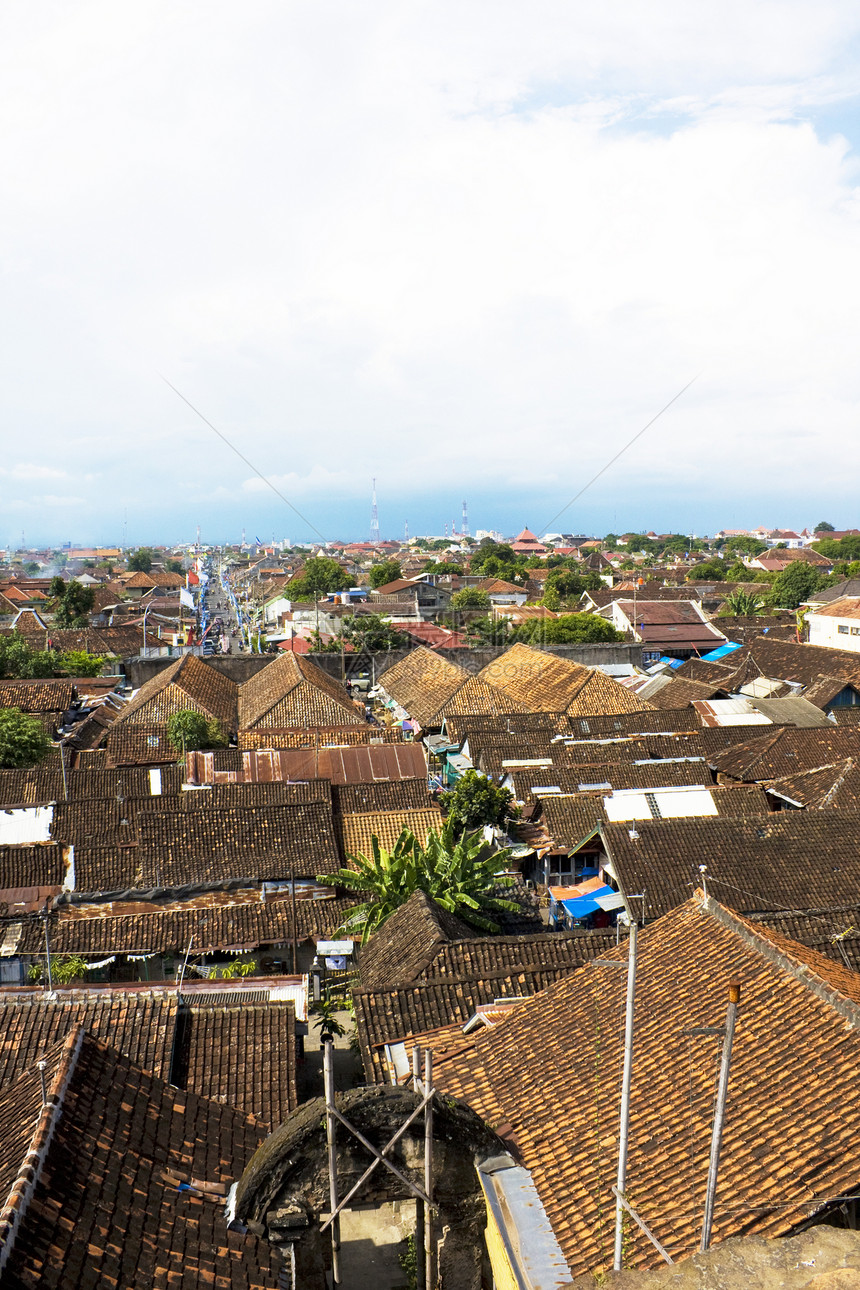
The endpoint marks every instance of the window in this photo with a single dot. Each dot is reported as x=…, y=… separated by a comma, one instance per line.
x=843, y=629
x=855, y=631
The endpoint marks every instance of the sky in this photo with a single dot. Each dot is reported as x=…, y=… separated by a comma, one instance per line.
x=467, y=247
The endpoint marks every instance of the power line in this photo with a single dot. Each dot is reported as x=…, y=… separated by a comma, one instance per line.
x=620, y=453
x=242, y=457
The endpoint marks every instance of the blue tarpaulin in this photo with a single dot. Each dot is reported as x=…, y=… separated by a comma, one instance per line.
x=721, y=651
x=582, y=906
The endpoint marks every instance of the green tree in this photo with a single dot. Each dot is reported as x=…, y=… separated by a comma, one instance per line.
x=321, y=576
x=382, y=574
x=743, y=544
x=796, y=584
x=75, y=605
x=57, y=588
x=823, y=527
x=371, y=633
x=18, y=659
x=489, y=631
x=470, y=598
x=847, y=548
x=444, y=568
x=567, y=629
x=189, y=730
x=475, y=801
x=140, y=561
x=742, y=604
x=460, y=874
x=708, y=571
x=78, y=662
x=24, y=741
x=174, y=566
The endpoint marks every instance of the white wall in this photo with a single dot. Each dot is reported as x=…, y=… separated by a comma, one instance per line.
x=826, y=631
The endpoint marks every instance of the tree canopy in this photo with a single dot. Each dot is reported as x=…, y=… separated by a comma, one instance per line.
x=24, y=741
x=74, y=605
x=708, y=571
x=796, y=584
x=140, y=561
x=460, y=874
x=823, y=527
x=470, y=598
x=567, y=629
x=742, y=604
x=475, y=801
x=189, y=730
x=387, y=571
x=321, y=576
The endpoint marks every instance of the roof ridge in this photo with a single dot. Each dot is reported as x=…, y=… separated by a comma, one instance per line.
x=834, y=788
x=21, y=1191
x=770, y=948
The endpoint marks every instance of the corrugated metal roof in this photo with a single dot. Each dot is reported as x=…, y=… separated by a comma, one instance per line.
x=730, y=712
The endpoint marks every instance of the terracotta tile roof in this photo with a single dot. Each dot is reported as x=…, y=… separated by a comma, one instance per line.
x=570, y=820
x=835, y=787
x=789, y=1143
x=187, y=683
x=459, y=728
x=37, y=696
x=106, y=1207
x=422, y=682
x=785, y=751
x=38, y=786
x=388, y=1015
x=537, y=681
x=387, y=795
x=274, y=842
x=41, y=864
x=476, y=696
x=218, y=921
x=783, y=860
x=139, y=745
x=407, y=942
x=835, y=933
x=318, y=737
x=632, y=723
x=356, y=832
x=293, y=691
x=680, y=693
x=138, y=1023
x=242, y=1055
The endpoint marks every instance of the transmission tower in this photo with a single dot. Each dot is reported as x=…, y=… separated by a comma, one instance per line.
x=374, y=516
x=406, y=531
x=465, y=529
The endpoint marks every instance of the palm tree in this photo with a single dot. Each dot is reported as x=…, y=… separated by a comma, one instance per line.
x=460, y=874
x=743, y=604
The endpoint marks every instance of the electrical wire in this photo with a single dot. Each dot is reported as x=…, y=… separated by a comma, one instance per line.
x=242, y=457
x=618, y=454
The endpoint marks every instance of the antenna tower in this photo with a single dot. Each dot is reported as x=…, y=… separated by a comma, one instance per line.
x=465, y=528
x=374, y=515
x=243, y=538
x=446, y=528
x=406, y=531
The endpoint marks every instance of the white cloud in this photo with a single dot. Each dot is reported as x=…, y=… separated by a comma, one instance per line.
x=458, y=246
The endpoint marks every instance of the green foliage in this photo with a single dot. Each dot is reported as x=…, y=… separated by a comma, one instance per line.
x=743, y=544
x=321, y=576
x=369, y=633
x=568, y=629
x=847, y=548
x=708, y=571
x=461, y=874
x=31, y=567
x=383, y=573
x=75, y=605
x=237, y=969
x=498, y=560
x=174, y=566
x=140, y=561
x=65, y=968
x=823, y=527
x=77, y=662
x=742, y=604
x=475, y=801
x=20, y=661
x=24, y=742
x=470, y=598
x=189, y=730
x=444, y=568
x=489, y=631
x=408, y=1260
x=327, y=1022
x=57, y=588
x=796, y=584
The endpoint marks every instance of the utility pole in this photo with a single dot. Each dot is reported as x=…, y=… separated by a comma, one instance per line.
x=330, y=1130
x=624, y=1126
x=374, y=516
x=720, y=1112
